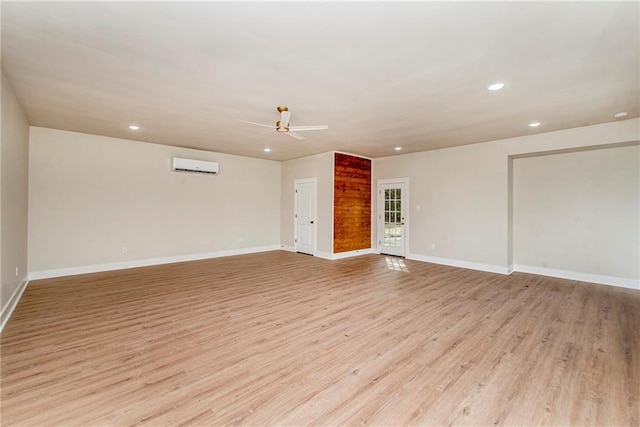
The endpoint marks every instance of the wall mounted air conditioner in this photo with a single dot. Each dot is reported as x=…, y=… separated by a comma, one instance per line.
x=195, y=166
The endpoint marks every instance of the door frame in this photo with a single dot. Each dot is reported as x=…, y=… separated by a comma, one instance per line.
x=314, y=181
x=380, y=209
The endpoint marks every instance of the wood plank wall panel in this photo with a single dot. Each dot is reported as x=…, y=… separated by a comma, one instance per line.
x=351, y=203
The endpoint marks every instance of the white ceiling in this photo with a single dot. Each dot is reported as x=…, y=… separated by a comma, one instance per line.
x=380, y=74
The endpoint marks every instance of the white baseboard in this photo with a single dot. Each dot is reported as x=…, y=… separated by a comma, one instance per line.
x=342, y=255
x=60, y=272
x=324, y=255
x=287, y=248
x=350, y=254
x=7, y=310
x=459, y=263
x=581, y=277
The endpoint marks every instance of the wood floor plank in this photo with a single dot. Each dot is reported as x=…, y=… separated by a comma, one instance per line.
x=280, y=338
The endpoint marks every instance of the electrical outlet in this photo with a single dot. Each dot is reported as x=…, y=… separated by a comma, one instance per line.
x=17, y=271
x=124, y=249
x=433, y=246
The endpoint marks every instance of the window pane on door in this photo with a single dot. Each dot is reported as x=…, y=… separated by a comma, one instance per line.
x=392, y=217
x=392, y=224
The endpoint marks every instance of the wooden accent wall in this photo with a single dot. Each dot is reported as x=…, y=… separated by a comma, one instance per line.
x=351, y=203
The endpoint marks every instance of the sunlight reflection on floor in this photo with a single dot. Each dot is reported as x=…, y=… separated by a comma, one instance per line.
x=396, y=264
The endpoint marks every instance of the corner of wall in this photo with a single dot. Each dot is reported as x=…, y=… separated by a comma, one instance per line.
x=12, y=303
x=14, y=181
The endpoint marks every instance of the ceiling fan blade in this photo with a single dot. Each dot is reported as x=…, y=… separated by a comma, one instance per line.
x=284, y=118
x=295, y=135
x=257, y=124
x=264, y=133
x=303, y=128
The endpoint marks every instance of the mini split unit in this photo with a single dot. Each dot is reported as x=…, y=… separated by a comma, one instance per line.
x=194, y=166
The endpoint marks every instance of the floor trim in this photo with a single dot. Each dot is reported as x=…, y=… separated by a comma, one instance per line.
x=47, y=274
x=342, y=255
x=11, y=305
x=581, y=277
x=459, y=263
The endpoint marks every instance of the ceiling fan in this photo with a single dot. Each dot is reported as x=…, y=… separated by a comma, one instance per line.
x=282, y=125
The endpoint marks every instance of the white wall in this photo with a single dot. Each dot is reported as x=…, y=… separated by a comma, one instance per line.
x=578, y=212
x=464, y=192
x=320, y=167
x=90, y=196
x=461, y=195
x=14, y=182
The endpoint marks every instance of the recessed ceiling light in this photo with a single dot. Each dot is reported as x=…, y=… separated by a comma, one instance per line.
x=266, y=150
x=398, y=148
x=134, y=127
x=495, y=86
x=621, y=114
x=534, y=124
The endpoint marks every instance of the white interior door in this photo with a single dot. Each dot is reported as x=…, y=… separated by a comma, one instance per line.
x=392, y=224
x=305, y=216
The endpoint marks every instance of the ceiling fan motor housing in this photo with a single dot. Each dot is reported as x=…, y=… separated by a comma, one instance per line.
x=281, y=128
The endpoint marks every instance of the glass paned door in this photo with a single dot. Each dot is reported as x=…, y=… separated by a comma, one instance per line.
x=391, y=218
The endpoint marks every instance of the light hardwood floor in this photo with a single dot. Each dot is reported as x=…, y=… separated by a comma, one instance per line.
x=286, y=339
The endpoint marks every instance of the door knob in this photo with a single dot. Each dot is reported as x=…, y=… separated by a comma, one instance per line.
x=311, y=222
